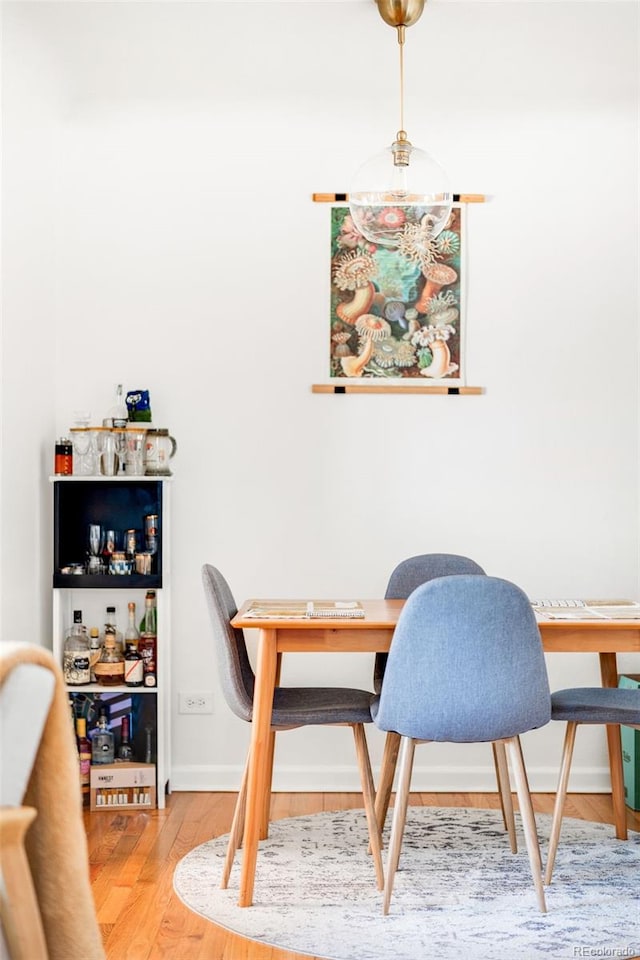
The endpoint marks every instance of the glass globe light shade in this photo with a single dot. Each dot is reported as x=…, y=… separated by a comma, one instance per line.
x=398, y=187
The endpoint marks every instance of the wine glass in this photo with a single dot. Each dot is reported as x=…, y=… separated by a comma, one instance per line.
x=96, y=544
x=81, y=440
x=120, y=443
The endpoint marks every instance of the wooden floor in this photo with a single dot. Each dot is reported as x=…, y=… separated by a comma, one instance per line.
x=133, y=856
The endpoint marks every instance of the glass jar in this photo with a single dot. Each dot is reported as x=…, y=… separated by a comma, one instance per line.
x=160, y=448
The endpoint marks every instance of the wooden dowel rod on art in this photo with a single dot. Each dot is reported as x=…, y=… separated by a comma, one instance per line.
x=375, y=388
x=344, y=197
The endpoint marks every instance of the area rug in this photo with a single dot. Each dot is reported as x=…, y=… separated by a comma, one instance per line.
x=459, y=894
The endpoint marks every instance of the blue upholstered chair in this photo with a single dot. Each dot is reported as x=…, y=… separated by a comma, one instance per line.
x=605, y=705
x=466, y=665
x=412, y=573
x=292, y=707
x=408, y=575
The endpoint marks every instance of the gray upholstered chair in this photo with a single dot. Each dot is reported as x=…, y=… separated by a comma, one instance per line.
x=292, y=707
x=605, y=705
x=466, y=665
x=408, y=575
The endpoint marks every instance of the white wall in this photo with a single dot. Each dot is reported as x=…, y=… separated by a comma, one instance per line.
x=159, y=162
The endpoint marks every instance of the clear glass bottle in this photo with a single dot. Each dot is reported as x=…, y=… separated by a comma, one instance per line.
x=131, y=634
x=94, y=651
x=125, y=750
x=75, y=658
x=118, y=414
x=110, y=621
x=102, y=740
x=110, y=667
x=149, y=639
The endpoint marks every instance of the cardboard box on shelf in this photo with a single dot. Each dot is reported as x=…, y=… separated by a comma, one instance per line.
x=631, y=750
x=127, y=786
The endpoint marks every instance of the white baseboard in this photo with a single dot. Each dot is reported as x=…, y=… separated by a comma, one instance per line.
x=341, y=779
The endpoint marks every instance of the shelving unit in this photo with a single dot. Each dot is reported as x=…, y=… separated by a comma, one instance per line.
x=118, y=503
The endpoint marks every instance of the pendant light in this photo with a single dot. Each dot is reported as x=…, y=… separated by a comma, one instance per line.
x=400, y=198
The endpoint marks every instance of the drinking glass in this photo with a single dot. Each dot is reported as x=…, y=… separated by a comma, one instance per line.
x=110, y=544
x=107, y=451
x=95, y=536
x=120, y=444
x=134, y=461
x=82, y=460
x=96, y=541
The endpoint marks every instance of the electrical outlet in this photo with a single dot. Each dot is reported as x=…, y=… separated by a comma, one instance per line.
x=195, y=701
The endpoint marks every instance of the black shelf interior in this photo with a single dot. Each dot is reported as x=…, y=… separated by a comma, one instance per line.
x=118, y=505
x=140, y=708
x=75, y=581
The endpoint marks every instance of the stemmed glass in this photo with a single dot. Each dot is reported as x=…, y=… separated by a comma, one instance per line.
x=96, y=544
x=120, y=438
x=82, y=459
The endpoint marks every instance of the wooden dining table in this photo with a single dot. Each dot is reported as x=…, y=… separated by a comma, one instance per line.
x=371, y=634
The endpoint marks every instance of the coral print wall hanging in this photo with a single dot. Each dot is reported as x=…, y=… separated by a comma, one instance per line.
x=396, y=314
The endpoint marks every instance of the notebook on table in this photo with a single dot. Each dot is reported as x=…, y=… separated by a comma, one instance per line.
x=305, y=610
x=561, y=609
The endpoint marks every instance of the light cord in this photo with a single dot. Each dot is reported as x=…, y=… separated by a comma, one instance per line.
x=401, y=33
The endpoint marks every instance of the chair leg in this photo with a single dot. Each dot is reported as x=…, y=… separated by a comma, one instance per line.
x=528, y=817
x=264, y=825
x=264, y=828
x=19, y=910
x=387, y=773
x=561, y=796
x=407, y=750
x=368, y=793
x=237, y=827
x=504, y=791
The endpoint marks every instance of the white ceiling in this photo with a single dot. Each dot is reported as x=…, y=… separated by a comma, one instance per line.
x=430, y=2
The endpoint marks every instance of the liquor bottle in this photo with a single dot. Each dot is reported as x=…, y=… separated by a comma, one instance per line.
x=94, y=651
x=149, y=639
x=149, y=595
x=102, y=740
x=125, y=750
x=84, y=758
x=110, y=621
x=118, y=414
x=75, y=658
x=133, y=665
x=131, y=633
x=110, y=667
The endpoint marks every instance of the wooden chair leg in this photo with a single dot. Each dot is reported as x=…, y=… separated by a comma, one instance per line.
x=237, y=828
x=504, y=791
x=561, y=795
x=264, y=829
x=368, y=793
x=387, y=773
x=19, y=909
x=407, y=751
x=528, y=818
x=264, y=825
